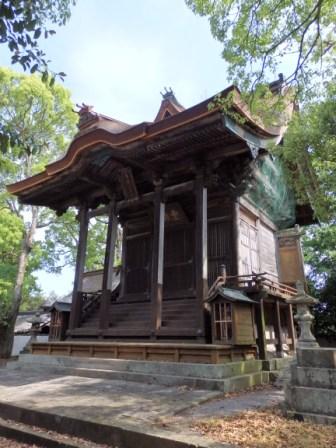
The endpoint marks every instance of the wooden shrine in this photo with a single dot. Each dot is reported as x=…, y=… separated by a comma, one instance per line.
x=179, y=188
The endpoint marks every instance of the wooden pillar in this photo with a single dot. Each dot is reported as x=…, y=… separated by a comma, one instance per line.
x=236, y=237
x=76, y=306
x=261, y=328
x=157, y=259
x=291, y=327
x=123, y=272
x=278, y=330
x=201, y=250
x=108, y=266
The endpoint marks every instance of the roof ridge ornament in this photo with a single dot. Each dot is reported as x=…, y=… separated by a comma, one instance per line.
x=168, y=93
x=86, y=115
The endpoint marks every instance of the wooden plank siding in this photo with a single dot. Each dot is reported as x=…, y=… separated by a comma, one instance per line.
x=170, y=352
x=243, y=324
x=268, y=256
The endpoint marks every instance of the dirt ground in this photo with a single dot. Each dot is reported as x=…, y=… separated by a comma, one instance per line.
x=266, y=429
x=6, y=443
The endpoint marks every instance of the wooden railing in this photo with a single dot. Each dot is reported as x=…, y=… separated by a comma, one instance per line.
x=90, y=301
x=262, y=281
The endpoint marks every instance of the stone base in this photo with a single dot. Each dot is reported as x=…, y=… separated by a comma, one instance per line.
x=311, y=392
x=229, y=377
x=312, y=418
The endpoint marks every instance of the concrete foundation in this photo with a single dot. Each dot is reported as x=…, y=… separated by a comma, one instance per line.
x=229, y=377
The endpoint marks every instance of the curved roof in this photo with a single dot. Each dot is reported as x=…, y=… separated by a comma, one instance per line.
x=96, y=129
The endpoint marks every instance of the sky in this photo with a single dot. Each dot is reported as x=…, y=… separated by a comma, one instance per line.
x=119, y=55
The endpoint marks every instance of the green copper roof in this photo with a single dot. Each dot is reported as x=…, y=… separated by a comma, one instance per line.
x=231, y=294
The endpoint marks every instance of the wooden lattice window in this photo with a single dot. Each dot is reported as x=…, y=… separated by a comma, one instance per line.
x=223, y=322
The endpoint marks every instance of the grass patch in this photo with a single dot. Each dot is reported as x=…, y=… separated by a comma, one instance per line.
x=267, y=428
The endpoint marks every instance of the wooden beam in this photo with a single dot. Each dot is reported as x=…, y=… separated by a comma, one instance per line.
x=201, y=249
x=145, y=198
x=157, y=259
x=127, y=183
x=108, y=266
x=75, y=314
x=261, y=329
x=291, y=327
x=278, y=330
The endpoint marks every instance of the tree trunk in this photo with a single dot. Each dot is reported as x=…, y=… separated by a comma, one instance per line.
x=7, y=331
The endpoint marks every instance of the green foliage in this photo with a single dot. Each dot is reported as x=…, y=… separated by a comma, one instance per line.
x=24, y=22
x=325, y=311
x=40, y=122
x=61, y=242
x=36, y=120
x=319, y=245
x=258, y=35
x=309, y=153
x=11, y=233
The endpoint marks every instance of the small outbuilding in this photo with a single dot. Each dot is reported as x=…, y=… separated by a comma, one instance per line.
x=232, y=317
x=59, y=320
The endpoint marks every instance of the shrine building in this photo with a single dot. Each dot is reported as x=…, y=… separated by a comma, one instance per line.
x=210, y=248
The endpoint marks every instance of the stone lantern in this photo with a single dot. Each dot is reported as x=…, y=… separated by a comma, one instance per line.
x=304, y=317
x=36, y=322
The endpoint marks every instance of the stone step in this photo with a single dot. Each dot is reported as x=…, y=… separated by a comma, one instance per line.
x=116, y=433
x=314, y=377
x=311, y=400
x=26, y=434
x=204, y=371
x=277, y=363
x=232, y=384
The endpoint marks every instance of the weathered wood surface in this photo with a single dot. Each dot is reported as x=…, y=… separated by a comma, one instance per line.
x=278, y=330
x=157, y=259
x=261, y=329
x=75, y=315
x=173, y=352
x=201, y=248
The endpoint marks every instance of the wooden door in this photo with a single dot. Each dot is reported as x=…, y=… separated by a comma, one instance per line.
x=137, y=266
x=178, y=277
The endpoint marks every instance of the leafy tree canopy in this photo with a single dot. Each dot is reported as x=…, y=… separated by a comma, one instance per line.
x=309, y=153
x=24, y=22
x=39, y=120
x=258, y=35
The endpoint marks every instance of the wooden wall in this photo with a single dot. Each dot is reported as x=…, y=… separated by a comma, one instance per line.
x=268, y=255
x=243, y=324
x=257, y=243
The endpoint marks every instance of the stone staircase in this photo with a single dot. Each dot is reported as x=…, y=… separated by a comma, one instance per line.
x=311, y=393
x=229, y=377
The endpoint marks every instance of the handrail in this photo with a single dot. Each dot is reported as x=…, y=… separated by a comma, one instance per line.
x=260, y=280
x=89, y=300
